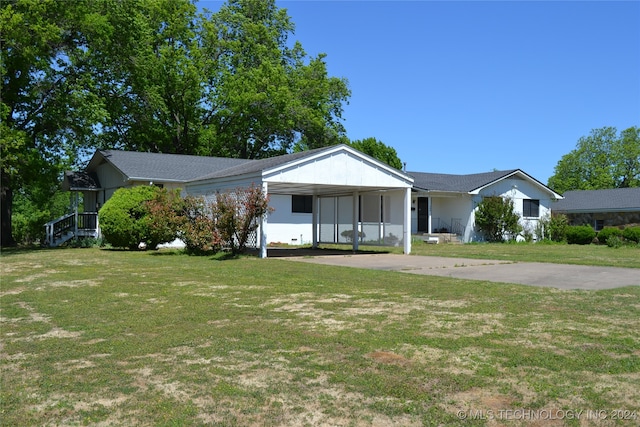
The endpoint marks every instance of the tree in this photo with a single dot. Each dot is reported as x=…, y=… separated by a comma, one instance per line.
x=153, y=75
x=267, y=99
x=496, y=219
x=45, y=112
x=601, y=160
x=377, y=149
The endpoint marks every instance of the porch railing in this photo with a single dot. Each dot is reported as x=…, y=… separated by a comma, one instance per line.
x=73, y=225
x=454, y=226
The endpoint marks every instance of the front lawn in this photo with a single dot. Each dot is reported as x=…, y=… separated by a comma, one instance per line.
x=600, y=255
x=102, y=337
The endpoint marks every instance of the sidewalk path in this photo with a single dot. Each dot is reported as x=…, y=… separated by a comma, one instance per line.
x=562, y=276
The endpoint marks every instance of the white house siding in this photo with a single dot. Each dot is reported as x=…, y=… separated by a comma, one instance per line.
x=209, y=188
x=288, y=227
x=518, y=189
x=449, y=212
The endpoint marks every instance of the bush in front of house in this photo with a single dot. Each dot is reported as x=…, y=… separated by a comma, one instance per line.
x=126, y=220
x=631, y=234
x=198, y=230
x=607, y=233
x=580, y=235
x=558, y=228
x=497, y=220
x=225, y=222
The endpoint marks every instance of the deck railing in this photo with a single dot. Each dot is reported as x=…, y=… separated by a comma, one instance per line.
x=75, y=224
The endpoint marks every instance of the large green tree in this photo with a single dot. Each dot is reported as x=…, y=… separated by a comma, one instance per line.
x=378, y=150
x=269, y=96
x=604, y=159
x=46, y=113
x=154, y=75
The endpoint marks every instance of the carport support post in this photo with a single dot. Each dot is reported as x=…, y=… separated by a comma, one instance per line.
x=356, y=235
x=314, y=216
x=263, y=226
x=406, y=229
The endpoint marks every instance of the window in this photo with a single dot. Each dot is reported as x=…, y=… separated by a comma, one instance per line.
x=531, y=208
x=301, y=204
x=599, y=224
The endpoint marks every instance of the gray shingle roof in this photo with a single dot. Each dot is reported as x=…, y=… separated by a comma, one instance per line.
x=456, y=183
x=167, y=167
x=616, y=199
x=260, y=165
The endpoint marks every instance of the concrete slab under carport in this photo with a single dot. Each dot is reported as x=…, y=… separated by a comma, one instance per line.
x=561, y=276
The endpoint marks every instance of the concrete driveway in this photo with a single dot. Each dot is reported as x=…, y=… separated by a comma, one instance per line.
x=562, y=276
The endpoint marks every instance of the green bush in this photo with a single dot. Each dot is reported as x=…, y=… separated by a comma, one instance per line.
x=125, y=218
x=614, y=241
x=497, y=220
x=606, y=233
x=580, y=235
x=631, y=234
x=558, y=228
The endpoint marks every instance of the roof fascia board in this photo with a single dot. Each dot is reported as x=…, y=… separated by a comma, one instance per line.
x=156, y=180
x=440, y=193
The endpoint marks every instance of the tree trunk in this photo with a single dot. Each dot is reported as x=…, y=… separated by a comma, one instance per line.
x=6, y=203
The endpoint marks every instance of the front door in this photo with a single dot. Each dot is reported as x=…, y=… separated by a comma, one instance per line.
x=423, y=214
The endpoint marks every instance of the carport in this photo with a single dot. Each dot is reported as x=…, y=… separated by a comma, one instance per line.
x=354, y=197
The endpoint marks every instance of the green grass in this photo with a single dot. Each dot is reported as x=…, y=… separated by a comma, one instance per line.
x=600, y=255
x=100, y=337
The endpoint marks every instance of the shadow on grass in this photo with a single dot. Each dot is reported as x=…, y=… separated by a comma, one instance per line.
x=286, y=252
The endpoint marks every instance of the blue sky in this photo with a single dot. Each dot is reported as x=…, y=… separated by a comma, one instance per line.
x=473, y=86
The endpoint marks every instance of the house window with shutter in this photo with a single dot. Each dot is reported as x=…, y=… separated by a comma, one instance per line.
x=531, y=208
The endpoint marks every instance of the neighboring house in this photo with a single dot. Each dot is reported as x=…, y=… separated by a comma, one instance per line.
x=446, y=204
x=600, y=208
x=318, y=196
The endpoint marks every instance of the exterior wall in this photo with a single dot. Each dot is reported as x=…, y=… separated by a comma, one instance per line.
x=110, y=180
x=285, y=226
x=456, y=213
x=610, y=219
x=519, y=190
x=208, y=188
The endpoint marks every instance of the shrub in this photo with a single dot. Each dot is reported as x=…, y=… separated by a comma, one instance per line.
x=227, y=222
x=580, y=234
x=198, y=230
x=606, y=233
x=557, y=228
x=496, y=219
x=348, y=235
x=126, y=218
x=237, y=214
x=631, y=234
x=614, y=241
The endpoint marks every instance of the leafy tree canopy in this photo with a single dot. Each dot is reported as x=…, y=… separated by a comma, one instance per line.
x=378, y=150
x=604, y=159
x=154, y=75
